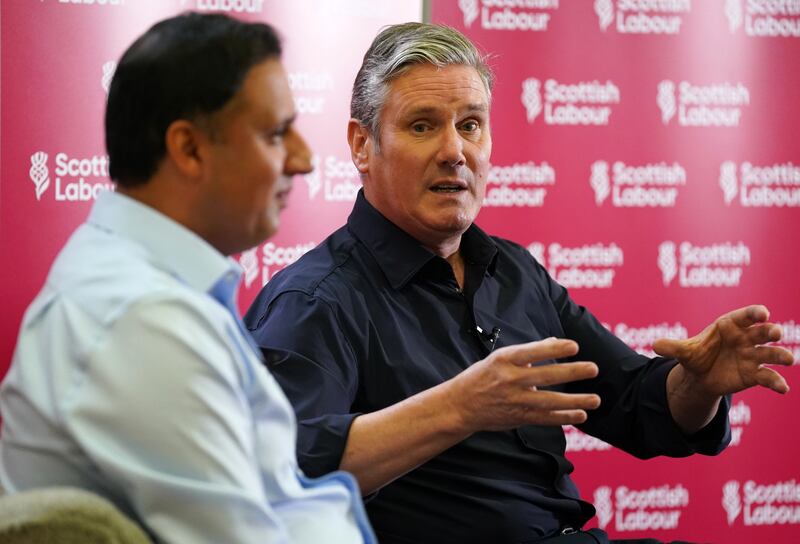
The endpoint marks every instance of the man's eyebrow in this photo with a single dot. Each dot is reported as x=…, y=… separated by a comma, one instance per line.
x=478, y=106
x=285, y=123
x=427, y=110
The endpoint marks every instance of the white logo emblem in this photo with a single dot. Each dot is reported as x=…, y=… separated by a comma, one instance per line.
x=249, y=262
x=666, y=100
x=314, y=178
x=600, y=181
x=537, y=250
x=40, y=175
x=108, y=73
x=470, y=10
x=731, y=501
x=605, y=13
x=603, y=505
x=727, y=181
x=532, y=98
x=733, y=11
x=667, y=262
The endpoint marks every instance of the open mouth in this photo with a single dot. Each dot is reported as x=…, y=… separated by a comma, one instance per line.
x=453, y=187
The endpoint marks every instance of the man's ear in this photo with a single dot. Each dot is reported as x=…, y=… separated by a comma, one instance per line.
x=361, y=145
x=184, y=141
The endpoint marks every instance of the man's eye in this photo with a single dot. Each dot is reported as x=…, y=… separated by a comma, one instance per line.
x=275, y=137
x=419, y=127
x=470, y=126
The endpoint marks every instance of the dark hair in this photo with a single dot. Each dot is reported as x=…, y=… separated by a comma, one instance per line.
x=185, y=67
x=399, y=47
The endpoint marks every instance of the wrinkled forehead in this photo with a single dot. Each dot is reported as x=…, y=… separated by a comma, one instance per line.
x=429, y=87
x=430, y=67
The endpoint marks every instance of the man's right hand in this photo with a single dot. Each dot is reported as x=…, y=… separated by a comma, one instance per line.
x=503, y=391
x=499, y=392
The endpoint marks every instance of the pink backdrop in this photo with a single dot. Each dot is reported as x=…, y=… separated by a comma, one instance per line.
x=647, y=151
x=643, y=150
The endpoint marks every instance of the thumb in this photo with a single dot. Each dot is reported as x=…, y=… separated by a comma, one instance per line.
x=671, y=348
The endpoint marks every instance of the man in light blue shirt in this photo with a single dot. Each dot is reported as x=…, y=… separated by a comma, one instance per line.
x=132, y=376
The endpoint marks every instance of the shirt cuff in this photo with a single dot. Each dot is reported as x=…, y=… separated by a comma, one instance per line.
x=710, y=440
x=321, y=442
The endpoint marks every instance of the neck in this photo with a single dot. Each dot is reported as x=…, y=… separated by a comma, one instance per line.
x=445, y=249
x=452, y=254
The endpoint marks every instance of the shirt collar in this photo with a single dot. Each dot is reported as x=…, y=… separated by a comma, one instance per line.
x=170, y=245
x=399, y=255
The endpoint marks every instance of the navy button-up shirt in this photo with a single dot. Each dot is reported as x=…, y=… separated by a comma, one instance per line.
x=370, y=317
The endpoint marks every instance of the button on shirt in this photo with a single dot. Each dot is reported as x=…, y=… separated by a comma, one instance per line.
x=133, y=378
x=377, y=318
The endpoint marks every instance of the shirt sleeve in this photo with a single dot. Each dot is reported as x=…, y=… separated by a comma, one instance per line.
x=307, y=351
x=634, y=414
x=160, y=410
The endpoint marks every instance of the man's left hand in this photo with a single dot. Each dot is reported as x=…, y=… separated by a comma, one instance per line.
x=728, y=356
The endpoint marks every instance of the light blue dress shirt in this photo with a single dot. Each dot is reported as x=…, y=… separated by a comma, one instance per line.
x=132, y=378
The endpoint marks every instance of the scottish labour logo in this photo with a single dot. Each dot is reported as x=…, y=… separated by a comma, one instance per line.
x=40, y=174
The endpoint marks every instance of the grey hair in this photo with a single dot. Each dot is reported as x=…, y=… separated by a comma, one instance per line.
x=399, y=47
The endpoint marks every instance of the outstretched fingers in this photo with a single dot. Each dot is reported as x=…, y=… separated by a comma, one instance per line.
x=773, y=355
x=749, y=315
x=555, y=408
x=534, y=352
x=770, y=379
x=543, y=376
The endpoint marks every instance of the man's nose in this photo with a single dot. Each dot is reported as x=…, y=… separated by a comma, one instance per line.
x=451, y=148
x=298, y=154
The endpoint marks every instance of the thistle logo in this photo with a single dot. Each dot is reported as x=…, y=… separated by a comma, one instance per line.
x=667, y=262
x=249, y=263
x=600, y=181
x=762, y=504
x=582, y=103
x=728, y=182
x=761, y=186
x=605, y=13
x=652, y=508
x=108, y=73
x=70, y=176
x=604, y=506
x=733, y=11
x=532, y=98
x=715, y=105
x=40, y=174
x=537, y=250
x=715, y=265
x=731, y=501
x=518, y=184
x=337, y=180
x=314, y=178
x=470, y=10
x=504, y=15
x=666, y=100
x=764, y=18
x=587, y=266
x=648, y=185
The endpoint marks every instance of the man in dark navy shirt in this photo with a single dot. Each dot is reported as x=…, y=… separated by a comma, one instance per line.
x=415, y=347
